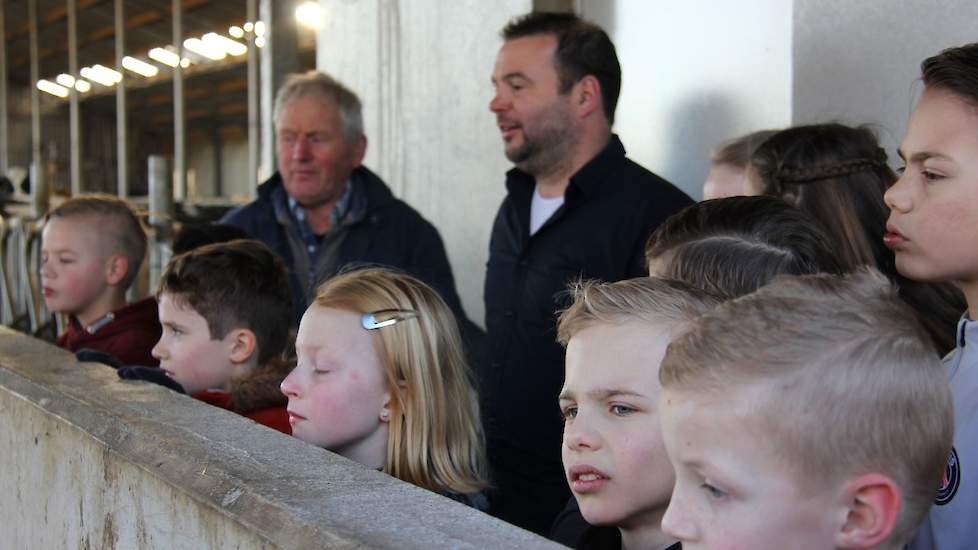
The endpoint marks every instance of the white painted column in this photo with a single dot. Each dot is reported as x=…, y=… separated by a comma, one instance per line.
x=422, y=70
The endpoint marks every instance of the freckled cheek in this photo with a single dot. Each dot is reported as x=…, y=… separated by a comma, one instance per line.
x=343, y=404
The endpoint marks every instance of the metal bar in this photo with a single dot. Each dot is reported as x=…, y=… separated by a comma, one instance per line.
x=161, y=216
x=4, y=133
x=218, y=143
x=122, y=145
x=74, y=130
x=253, y=120
x=179, y=124
x=38, y=189
x=267, y=83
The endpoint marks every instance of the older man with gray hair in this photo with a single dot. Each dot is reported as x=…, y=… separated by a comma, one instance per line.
x=323, y=210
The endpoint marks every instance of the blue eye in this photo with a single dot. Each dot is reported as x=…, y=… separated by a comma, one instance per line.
x=621, y=410
x=714, y=493
x=569, y=413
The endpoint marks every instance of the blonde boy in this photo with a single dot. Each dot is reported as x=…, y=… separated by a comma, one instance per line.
x=92, y=247
x=616, y=335
x=812, y=413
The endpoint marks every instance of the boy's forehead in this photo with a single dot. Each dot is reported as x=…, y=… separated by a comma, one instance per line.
x=605, y=352
x=74, y=231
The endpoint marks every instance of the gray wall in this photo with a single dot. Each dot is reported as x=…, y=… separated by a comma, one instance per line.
x=858, y=62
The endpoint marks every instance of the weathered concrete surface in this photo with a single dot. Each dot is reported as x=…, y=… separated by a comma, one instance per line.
x=90, y=461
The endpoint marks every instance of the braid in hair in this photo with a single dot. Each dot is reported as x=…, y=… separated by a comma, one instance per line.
x=816, y=173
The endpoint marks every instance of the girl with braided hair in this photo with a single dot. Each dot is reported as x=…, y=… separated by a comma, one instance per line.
x=838, y=174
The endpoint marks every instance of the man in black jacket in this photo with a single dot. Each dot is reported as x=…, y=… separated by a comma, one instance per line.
x=323, y=210
x=576, y=208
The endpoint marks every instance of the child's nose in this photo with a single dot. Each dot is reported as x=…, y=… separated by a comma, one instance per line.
x=898, y=196
x=158, y=351
x=677, y=523
x=580, y=436
x=289, y=387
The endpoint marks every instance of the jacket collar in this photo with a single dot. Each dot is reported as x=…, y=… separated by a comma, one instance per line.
x=588, y=180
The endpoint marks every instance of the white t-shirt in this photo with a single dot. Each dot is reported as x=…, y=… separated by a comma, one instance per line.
x=541, y=209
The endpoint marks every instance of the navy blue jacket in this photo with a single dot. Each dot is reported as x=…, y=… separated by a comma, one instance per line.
x=390, y=233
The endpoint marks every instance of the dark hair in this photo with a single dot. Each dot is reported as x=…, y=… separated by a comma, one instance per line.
x=237, y=284
x=838, y=174
x=196, y=235
x=737, y=151
x=954, y=70
x=583, y=48
x=735, y=245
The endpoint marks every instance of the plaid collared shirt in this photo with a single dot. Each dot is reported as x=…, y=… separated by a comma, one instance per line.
x=310, y=239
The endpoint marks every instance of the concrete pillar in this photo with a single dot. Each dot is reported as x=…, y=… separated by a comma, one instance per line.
x=422, y=71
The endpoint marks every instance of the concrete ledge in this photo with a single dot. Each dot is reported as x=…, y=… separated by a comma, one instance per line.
x=90, y=461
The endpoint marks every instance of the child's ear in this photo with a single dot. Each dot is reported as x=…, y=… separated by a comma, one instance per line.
x=385, y=409
x=874, y=502
x=243, y=344
x=116, y=268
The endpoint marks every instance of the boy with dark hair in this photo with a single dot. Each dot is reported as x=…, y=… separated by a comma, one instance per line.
x=735, y=245
x=809, y=414
x=225, y=310
x=933, y=228
x=92, y=247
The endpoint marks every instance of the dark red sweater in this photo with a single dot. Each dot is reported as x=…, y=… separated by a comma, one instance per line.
x=130, y=336
x=275, y=417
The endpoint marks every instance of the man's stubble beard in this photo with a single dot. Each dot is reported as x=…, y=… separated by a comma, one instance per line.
x=549, y=146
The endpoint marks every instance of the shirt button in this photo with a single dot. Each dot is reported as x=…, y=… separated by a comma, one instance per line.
x=509, y=313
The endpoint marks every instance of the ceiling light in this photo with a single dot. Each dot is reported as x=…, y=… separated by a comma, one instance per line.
x=65, y=80
x=222, y=42
x=260, y=41
x=184, y=63
x=139, y=67
x=308, y=14
x=82, y=86
x=249, y=26
x=259, y=28
x=236, y=31
x=52, y=88
x=101, y=74
x=164, y=56
x=208, y=50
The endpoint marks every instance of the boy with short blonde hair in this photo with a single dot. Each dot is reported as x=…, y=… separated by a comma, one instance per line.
x=91, y=251
x=616, y=334
x=810, y=414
